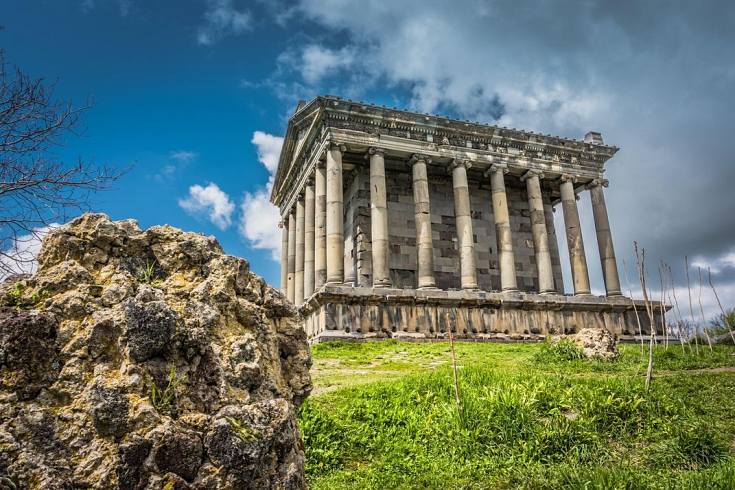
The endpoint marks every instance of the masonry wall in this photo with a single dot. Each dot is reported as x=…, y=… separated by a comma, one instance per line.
x=402, y=230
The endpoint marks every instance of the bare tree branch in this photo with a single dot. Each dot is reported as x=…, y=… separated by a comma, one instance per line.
x=37, y=187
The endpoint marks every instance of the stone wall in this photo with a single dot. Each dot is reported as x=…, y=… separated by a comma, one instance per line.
x=402, y=230
x=368, y=313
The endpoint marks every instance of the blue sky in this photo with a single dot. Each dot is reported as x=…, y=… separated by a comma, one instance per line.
x=189, y=93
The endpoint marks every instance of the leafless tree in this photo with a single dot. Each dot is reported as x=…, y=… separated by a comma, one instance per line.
x=725, y=317
x=641, y=263
x=701, y=309
x=691, y=308
x=37, y=186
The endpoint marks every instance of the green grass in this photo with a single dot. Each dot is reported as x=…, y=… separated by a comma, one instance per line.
x=384, y=416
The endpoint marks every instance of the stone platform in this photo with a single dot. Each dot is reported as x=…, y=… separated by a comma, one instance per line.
x=363, y=313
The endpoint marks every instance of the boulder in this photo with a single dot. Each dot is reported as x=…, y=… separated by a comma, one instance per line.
x=596, y=343
x=144, y=359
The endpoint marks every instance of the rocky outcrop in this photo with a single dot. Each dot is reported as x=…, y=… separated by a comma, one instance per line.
x=147, y=359
x=596, y=343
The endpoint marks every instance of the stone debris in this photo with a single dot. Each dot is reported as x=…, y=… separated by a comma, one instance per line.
x=147, y=360
x=596, y=343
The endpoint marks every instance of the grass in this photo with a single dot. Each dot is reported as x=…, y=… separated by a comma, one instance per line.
x=383, y=416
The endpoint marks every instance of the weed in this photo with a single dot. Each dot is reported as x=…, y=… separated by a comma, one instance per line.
x=562, y=349
x=18, y=299
x=243, y=432
x=149, y=274
x=164, y=401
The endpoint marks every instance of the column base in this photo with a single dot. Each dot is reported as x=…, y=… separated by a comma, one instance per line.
x=382, y=285
x=548, y=293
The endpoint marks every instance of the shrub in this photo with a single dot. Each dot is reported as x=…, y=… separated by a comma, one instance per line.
x=561, y=349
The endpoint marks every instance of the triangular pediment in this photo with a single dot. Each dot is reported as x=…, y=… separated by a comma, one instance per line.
x=303, y=128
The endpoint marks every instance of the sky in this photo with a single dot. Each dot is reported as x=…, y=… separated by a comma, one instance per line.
x=194, y=96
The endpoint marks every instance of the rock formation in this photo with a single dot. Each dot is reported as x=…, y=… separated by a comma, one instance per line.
x=147, y=359
x=596, y=343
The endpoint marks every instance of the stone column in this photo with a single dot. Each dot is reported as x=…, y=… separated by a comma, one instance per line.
x=299, y=275
x=291, y=254
x=335, y=216
x=379, y=219
x=465, y=234
x=309, y=239
x=320, y=225
x=506, y=258
x=577, y=258
x=283, y=225
x=422, y=216
x=604, y=238
x=538, y=230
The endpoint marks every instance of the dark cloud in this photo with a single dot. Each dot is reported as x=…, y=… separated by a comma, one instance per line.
x=656, y=78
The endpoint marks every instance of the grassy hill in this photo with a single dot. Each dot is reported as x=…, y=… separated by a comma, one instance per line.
x=383, y=415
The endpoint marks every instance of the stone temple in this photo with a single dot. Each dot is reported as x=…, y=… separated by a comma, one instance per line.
x=404, y=225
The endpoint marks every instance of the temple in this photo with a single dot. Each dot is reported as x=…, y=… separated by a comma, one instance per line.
x=405, y=225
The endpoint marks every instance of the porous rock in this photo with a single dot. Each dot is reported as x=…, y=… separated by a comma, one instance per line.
x=596, y=343
x=147, y=359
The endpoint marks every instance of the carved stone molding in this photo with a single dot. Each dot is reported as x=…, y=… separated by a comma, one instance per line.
x=337, y=146
x=418, y=157
x=598, y=182
x=531, y=173
x=460, y=162
x=497, y=167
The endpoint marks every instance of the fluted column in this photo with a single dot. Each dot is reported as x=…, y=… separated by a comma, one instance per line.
x=379, y=219
x=335, y=216
x=299, y=276
x=604, y=238
x=465, y=234
x=290, y=293
x=284, y=256
x=320, y=225
x=422, y=217
x=577, y=258
x=538, y=230
x=309, y=239
x=506, y=258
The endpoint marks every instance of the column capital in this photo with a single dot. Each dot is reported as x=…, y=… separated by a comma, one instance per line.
x=374, y=150
x=460, y=162
x=497, y=167
x=309, y=180
x=568, y=178
x=531, y=173
x=300, y=196
x=281, y=224
x=419, y=157
x=337, y=146
x=597, y=183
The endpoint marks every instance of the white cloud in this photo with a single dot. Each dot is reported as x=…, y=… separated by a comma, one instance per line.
x=716, y=264
x=183, y=156
x=268, y=148
x=222, y=19
x=179, y=160
x=318, y=61
x=210, y=201
x=258, y=217
x=20, y=257
x=259, y=222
